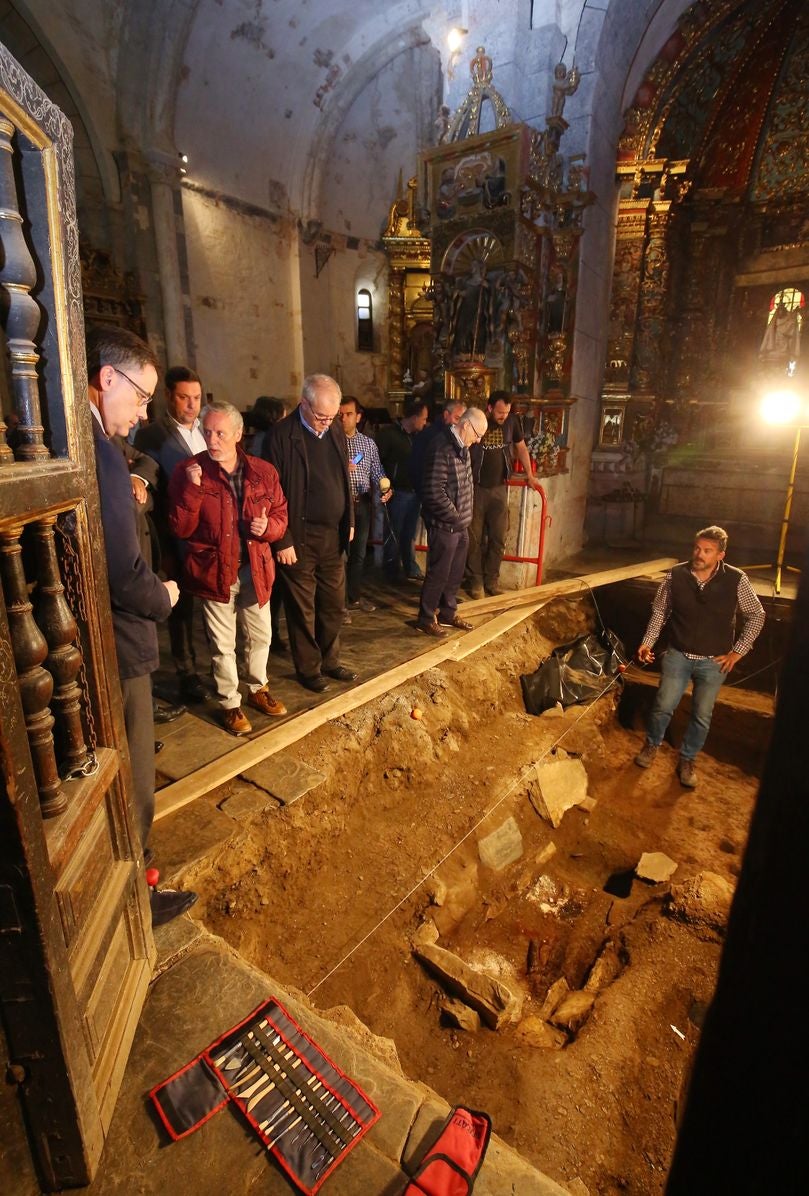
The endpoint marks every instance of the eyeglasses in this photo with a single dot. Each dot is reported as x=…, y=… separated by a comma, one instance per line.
x=319, y=419
x=145, y=399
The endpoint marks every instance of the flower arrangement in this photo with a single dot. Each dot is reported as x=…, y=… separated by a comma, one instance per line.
x=543, y=447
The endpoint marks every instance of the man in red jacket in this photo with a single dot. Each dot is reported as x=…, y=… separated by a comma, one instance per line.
x=228, y=508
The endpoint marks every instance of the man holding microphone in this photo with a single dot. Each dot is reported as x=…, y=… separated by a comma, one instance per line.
x=228, y=507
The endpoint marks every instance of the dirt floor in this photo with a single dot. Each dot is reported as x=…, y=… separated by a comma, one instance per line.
x=301, y=891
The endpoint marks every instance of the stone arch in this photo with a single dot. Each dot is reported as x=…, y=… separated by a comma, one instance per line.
x=96, y=176
x=363, y=71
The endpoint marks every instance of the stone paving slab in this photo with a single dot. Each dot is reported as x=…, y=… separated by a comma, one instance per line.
x=191, y=742
x=246, y=801
x=188, y=836
x=284, y=777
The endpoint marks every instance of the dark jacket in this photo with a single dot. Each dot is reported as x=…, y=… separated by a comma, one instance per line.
x=512, y=432
x=447, y=494
x=164, y=444
x=395, y=447
x=206, y=517
x=417, y=457
x=138, y=597
x=287, y=452
x=703, y=621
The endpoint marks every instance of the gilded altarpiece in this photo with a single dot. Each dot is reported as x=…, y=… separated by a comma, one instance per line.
x=712, y=245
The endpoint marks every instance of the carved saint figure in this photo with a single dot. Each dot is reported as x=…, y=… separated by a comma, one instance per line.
x=782, y=340
x=565, y=83
x=480, y=68
x=441, y=125
x=471, y=325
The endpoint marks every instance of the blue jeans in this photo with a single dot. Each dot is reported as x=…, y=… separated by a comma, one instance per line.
x=677, y=671
x=403, y=511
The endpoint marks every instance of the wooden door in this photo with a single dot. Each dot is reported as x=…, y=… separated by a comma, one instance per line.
x=76, y=951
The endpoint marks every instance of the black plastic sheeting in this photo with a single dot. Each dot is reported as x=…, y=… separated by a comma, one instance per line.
x=577, y=672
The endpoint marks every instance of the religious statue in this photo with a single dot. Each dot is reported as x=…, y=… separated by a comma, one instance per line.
x=565, y=83
x=782, y=340
x=471, y=322
x=441, y=125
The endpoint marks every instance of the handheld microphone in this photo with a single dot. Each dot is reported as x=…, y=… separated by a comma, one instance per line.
x=384, y=486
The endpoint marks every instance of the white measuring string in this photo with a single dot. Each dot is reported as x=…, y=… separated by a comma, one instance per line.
x=512, y=786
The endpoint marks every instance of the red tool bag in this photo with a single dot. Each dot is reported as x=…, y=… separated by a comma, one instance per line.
x=306, y=1111
x=451, y=1165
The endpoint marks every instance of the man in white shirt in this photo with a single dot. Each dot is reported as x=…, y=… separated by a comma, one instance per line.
x=175, y=437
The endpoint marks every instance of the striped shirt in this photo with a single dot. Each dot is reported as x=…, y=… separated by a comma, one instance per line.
x=749, y=605
x=368, y=469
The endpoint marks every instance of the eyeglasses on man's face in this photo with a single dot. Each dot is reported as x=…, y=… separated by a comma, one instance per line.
x=325, y=420
x=144, y=398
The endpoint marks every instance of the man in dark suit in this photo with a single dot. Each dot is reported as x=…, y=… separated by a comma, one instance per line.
x=177, y=436
x=122, y=374
x=308, y=449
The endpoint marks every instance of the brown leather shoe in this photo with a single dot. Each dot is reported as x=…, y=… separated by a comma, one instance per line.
x=458, y=623
x=263, y=700
x=236, y=722
x=432, y=629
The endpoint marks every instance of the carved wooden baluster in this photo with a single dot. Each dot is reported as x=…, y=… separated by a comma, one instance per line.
x=55, y=620
x=22, y=313
x=6, y=454
x=36, y=685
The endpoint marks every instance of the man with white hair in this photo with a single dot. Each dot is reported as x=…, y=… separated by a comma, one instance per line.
x=308, y=449
x=446, y=504
x=228, y=507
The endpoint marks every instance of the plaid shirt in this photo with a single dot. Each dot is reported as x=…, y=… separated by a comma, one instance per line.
x=368, y=469
x=749, y=605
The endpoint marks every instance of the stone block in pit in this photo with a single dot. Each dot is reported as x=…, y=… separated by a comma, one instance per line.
x=557, y=787
x=496, y=1004
x=502, y=847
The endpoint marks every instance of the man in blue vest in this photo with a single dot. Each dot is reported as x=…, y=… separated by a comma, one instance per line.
x=698, y=600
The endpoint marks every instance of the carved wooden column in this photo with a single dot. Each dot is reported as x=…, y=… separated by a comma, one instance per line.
x=22, y=315
x=55, y=620
x=396, y=325
x=36, y=685
x=651, y=344
x=625, y=296
x=6, y=454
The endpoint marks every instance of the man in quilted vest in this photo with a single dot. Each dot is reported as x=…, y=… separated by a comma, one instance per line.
x=698, y=600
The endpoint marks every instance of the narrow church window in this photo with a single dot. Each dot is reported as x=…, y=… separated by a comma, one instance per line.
x=365, y=322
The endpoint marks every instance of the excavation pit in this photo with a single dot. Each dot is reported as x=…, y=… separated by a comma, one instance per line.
x=423, y=832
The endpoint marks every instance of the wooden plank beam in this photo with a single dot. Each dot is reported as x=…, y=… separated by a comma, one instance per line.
x=521, y=603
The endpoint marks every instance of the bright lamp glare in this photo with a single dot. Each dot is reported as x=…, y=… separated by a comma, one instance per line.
x=455, y=38
x=780, y=407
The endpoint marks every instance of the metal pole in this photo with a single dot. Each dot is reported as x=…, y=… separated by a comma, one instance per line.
x=779, y=563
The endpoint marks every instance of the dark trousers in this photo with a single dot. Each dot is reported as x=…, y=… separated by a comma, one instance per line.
x=181, y=634
x=358, y=547
x=139, y=723
x=446, y=558
x=314, y=599
x=276, y=606
x=403, y=513
x=487, y=535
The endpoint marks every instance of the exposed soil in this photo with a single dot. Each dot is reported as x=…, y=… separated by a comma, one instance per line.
x=305, y=885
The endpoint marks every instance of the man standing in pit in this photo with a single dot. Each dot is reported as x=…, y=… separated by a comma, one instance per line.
x=228, y=508
x=177, y=436
x=121, y=376
x=308, y=449
x=492, y=462
x=698, y=600
x=365, y=474
x=447, y=509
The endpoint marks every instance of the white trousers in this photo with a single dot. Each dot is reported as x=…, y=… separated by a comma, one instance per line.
x=221, y=621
